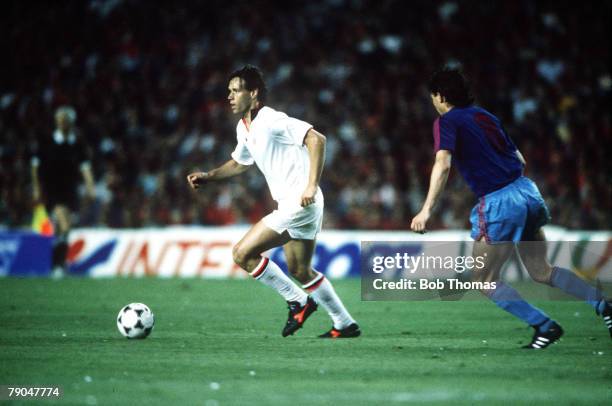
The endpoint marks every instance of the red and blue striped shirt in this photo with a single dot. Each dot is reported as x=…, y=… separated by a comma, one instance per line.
x=483, y=152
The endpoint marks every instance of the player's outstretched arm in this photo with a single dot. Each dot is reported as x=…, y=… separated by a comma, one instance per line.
x=227, y=170
x=315, y=143
x=439, y=175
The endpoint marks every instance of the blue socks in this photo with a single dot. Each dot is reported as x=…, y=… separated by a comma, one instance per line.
x=509, y=300
x=568, y=282
x=545, y=326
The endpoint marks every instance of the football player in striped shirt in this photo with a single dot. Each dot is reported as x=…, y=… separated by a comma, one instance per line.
x=510, y=210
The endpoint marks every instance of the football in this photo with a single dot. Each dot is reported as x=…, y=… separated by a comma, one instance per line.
x=135, y=320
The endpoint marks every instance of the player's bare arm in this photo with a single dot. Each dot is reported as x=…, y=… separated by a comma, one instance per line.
x=521, y=157
x=439, y=175
x=315, y=143
x=227, y=170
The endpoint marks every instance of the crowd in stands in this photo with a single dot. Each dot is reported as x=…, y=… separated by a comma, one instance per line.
x=148, y=80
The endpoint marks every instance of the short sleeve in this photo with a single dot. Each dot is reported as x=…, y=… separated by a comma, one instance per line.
x=291, y=130
x=445, y=135
x=241, y=154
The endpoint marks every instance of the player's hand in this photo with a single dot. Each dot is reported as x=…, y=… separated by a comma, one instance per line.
x=197, y=179
x=308, y=197
x=419, y=222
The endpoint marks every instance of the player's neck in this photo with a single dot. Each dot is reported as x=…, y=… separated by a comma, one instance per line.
x=250, y=114
x=446, y=108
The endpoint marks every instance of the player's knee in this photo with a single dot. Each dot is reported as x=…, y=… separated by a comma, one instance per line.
x=479, y=277
x=542, y=275
x=240, y=255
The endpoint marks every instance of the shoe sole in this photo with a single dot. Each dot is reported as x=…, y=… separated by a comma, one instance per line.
x=544, y=344
x=353, y=334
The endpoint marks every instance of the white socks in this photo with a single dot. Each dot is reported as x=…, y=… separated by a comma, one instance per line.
x=321, y=290
x=268, y=273
x=324, y=294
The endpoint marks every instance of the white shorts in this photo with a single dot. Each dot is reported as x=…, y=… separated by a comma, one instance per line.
x=302, y=223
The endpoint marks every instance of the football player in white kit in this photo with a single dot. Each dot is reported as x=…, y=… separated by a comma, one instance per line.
x=290, y=153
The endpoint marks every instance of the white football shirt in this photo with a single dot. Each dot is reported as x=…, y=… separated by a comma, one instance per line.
x=275, y=142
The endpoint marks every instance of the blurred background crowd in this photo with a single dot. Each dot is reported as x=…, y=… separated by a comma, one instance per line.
x=148, y=80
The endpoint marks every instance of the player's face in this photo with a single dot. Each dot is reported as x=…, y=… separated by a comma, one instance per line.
x=240, y=99
x=436, y=99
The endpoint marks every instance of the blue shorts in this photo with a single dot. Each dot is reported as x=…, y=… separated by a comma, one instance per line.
x=512, y=213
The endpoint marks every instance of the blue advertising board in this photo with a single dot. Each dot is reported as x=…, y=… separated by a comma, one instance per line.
x=24, y=254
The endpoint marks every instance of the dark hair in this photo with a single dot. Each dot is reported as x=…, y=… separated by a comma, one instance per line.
x=253, y=79
x=453, y=86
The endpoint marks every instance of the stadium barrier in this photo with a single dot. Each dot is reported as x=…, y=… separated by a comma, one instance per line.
x=24, y=253
x=190, y=251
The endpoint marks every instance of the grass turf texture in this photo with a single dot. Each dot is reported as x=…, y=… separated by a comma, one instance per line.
x=218, y=342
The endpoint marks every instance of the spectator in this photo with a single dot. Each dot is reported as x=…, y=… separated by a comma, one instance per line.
x=147, y=80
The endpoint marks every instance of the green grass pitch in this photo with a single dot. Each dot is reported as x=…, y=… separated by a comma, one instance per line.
x=217, y=342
